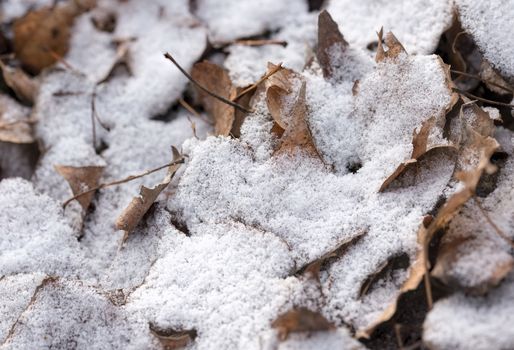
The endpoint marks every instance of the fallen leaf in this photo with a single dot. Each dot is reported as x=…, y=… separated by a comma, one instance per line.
x=173, y=339
x=25, y=87
x=215, y=79
x=285, y=97
x=14, y=122
x=394, y=47
x=301, y=320
x=330, y=42
x=493, y=80
x=41, y=36
x=139, y=205
x=81, y=179
x=398, y=262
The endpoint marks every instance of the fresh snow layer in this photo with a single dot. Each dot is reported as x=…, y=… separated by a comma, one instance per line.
x=228, y=20
x=490, y=24
x=481, y=323
x=418, y=24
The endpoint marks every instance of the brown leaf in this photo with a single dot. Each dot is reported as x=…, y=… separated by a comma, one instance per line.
x=41, y=36
x=330, y=41
x=139, y=205
x=395, y=48
x=14, y=122
x=386, y=268
x=173, y=339
x=300, y=320
x=215, y=79
x=25, y=87
x=493, y=80
x=285, y=97
x=81, y=179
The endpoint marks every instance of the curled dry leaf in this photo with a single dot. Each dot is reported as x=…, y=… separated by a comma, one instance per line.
x=394, y=47
x=330, y=41
x=81, y=179
x=285, y=97
x=300, y=320
x=215, y=79
x=173, y=339
x=41, y=36
x=493, y=80
x=139, y=205
x=25, y=87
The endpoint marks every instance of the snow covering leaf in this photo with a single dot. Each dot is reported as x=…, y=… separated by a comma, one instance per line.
x=489, y=25
x=25, y=87
x=41, y=36
x=330, y=43
x=300, y=320
x=137, y=208
x=81, y=179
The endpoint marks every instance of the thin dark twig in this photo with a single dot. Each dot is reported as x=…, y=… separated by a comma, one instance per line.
x=190, y=78
x=477, y=77
x=483, y=99
x=118, y=182
x=491, y=222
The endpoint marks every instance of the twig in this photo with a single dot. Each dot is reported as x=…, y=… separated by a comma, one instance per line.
x=398, y=334
x=118, y=182
x=477, y=77
x=190, y=78
x=491, y=222
x=254, y=86
x=65, y=63
x=483, y=99
x=260, y=42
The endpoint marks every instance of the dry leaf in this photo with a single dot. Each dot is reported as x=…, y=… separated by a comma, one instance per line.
x=81, y=179
x=215, y=79
x=330, y=41
x=25, y=87
x=41, y=36
x=172, y=339
x=386, y=268
x=14, y=122
x=395, y=48
x=122, y=58
x=300, y=320
x=285, y=97
x=139, y=205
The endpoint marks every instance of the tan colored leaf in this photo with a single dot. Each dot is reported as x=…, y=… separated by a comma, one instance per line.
x=300, y=320
x=172, y=339
x=14, y=122
x=394, y=47
x=25, y=87
x=215, y=79
x=41, y=36
x=139, y=205
x=330, y=40
x=80, y=180
x=493, y=80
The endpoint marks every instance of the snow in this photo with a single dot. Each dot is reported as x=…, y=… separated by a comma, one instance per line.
x=418, y=24
x=232, y=19
x=480, y=323
x=489, y=23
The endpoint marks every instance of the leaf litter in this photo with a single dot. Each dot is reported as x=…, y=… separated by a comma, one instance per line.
x=301, y=219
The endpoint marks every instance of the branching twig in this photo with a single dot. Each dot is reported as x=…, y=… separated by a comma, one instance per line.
x=491, y=222
x=118, y=182
x=254, y=86
x=190, y=78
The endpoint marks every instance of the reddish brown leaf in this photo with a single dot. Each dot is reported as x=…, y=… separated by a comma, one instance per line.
x=330, y=40
x=301, y=320
x=394, y=47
